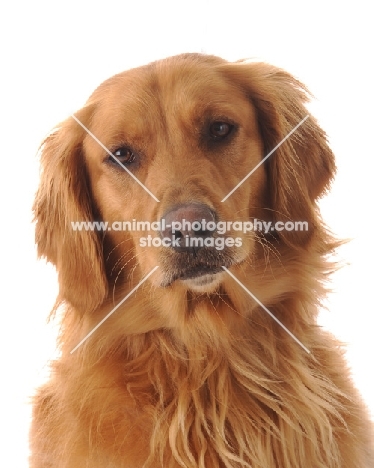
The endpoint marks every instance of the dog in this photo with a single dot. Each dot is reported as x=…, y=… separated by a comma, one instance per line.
x=169, y=205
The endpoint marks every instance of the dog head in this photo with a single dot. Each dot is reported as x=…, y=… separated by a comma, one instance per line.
x=174, y=142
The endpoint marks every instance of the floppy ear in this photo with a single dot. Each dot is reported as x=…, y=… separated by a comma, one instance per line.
x=301, y=169
x=63, y=197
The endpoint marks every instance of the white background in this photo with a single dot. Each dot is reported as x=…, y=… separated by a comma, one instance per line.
x=53, y=54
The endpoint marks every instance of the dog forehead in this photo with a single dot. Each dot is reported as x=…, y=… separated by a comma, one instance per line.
x=176, y=83
x=191, y=86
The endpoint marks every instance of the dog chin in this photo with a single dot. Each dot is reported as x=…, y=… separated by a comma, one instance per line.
x=204, y=284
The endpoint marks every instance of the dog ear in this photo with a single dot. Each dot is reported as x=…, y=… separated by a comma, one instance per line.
x=64, y=197
x=301, y=168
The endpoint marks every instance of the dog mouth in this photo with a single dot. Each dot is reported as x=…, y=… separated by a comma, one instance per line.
x=198, y=274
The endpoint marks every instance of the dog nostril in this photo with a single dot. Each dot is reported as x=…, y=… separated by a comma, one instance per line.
x=200, y=232
x=178, y=234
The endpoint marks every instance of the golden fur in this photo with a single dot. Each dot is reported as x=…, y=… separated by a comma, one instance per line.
x=188, y=373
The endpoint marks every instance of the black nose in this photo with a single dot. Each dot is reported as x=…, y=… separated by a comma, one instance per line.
x=188, y=225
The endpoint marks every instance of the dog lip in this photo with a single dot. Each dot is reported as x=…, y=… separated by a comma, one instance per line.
x=194, y=272
x=197, y=271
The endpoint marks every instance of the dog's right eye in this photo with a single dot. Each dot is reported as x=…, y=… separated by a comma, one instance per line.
x=124, y=155
x=220, y=131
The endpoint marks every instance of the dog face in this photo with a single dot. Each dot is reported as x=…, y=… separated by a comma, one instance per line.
x=189, y=129
x=189, y=137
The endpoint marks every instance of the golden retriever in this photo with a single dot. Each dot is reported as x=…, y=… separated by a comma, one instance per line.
x=182, y=354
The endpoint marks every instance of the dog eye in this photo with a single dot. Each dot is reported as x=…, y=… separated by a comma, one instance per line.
x=220, y=130
x=124, y=155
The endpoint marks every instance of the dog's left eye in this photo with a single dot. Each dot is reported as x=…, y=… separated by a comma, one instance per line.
x=220, y=130
x=124, y=155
